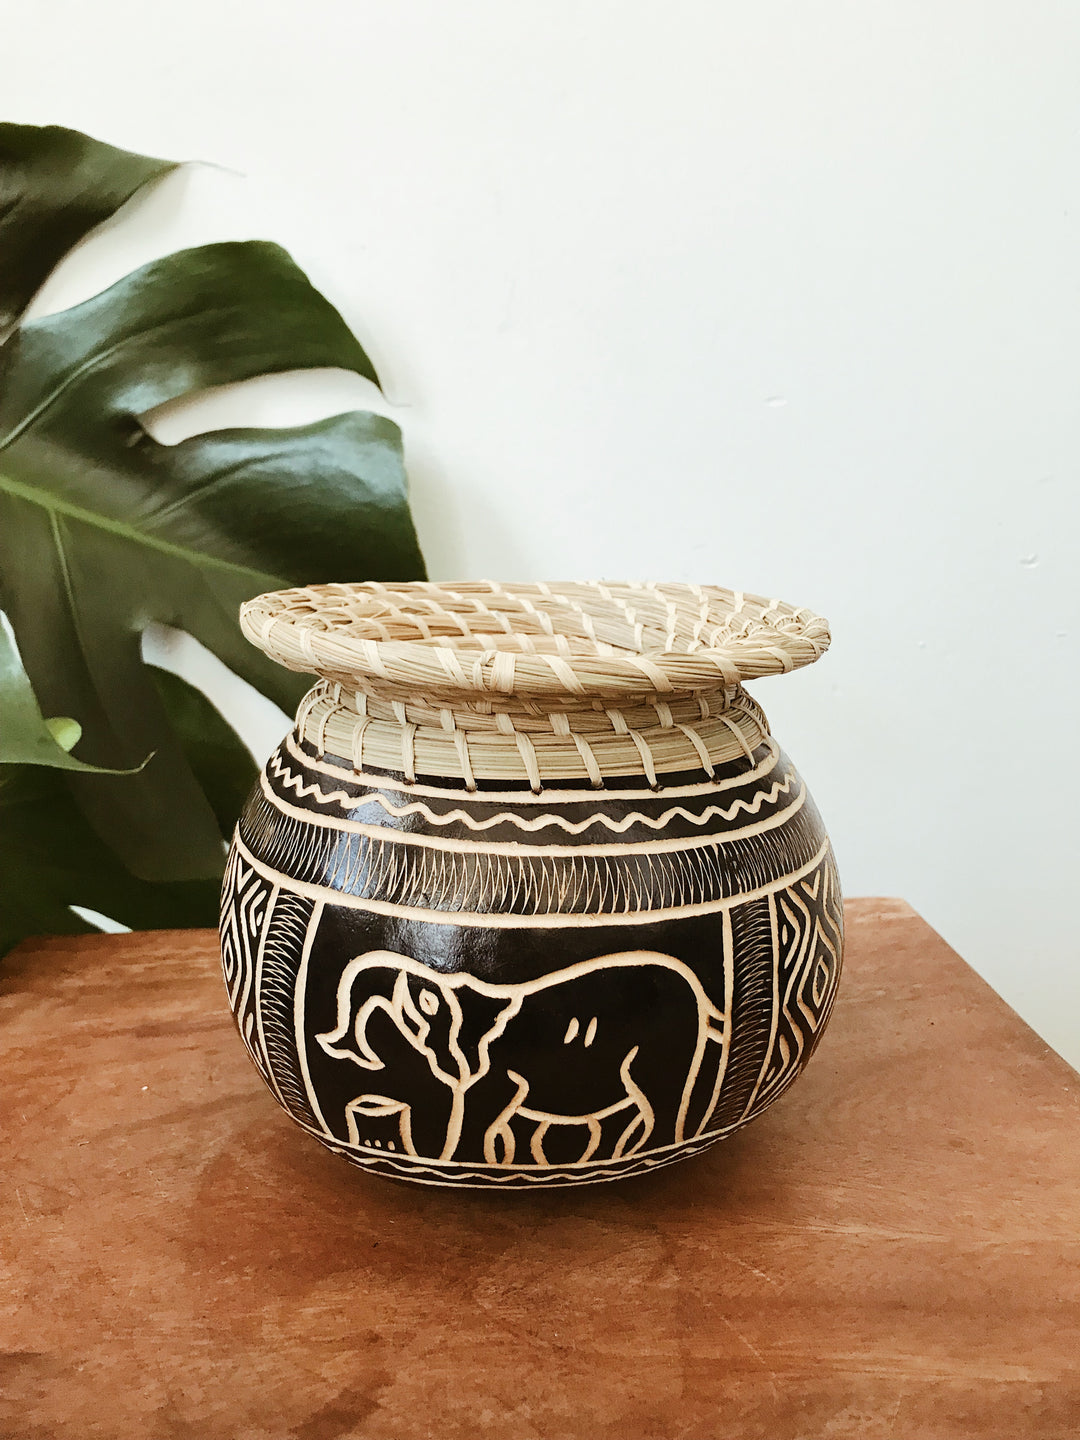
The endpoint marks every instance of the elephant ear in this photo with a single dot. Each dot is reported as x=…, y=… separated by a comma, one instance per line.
x=480, y=1017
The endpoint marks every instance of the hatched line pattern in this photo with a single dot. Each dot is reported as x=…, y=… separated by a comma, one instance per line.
x=283, y=943
x=246, y=902
x=752, y=1007
x=565, y=883
x=810, y=938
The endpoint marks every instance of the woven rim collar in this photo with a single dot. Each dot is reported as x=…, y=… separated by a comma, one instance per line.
x=554, y=642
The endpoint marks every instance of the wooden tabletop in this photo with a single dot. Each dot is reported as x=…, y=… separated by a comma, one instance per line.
x=892, y=1251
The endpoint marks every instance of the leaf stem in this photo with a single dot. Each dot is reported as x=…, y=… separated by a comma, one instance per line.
x=53, y=507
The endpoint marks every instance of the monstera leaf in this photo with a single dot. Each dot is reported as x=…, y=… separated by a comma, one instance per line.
x=103, y=530
x=50, y=858
x=53, y=860
x=55, y=187
x=26, y=737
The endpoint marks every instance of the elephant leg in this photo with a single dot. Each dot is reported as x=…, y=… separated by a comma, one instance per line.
x=487, y=1136
x=672, y=1086
x=430, y=1120
x=566, y=1144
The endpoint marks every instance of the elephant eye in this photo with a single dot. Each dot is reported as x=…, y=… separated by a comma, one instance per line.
x=429, y=1002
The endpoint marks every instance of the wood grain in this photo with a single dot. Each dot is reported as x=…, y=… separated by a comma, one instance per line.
x=892, y=1251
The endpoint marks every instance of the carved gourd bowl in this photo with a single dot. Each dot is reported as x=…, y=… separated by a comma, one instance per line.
x=529, y=896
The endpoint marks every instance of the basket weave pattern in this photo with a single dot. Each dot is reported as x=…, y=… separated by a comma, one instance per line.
x=537, y=682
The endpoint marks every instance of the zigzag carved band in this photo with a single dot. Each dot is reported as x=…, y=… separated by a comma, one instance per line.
x=408, y=877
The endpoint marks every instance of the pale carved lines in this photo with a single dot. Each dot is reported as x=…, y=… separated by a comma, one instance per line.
x=513, y=1177
x=291, y=781
x=525, y=798
x=238, y=954
x=532, y=920
x=792, y=1040
x=499, y=1133
x=729, y=1001
x=368, y=1106
x=555, y=1179
x=246, y=899
x=809, y=946
x=456, y=846
x=774, y=1007
x=262, y=931
x=267, y=1067
x=807, y=941
x=299, y=993
x=557, y=879
x=283, y=943
x=751, y=1006
x=630, y=1142
x=230, y=957
x=359, y=998
x=235, y=947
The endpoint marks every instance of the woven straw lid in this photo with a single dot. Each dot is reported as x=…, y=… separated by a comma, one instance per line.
x=552, y=644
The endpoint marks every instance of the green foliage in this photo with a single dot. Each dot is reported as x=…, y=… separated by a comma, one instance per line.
x=55, y=187
x=26, y=737
x=103, y=530
x=50, y=858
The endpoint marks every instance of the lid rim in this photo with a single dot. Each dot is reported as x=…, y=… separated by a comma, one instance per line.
x=541, y=641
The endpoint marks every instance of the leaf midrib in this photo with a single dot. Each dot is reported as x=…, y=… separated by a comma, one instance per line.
x=94, y=361
x=54, y=506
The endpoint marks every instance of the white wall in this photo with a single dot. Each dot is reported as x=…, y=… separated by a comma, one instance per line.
x=781, y=296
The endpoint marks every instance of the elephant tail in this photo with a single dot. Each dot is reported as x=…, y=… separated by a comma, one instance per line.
x=643, y=1117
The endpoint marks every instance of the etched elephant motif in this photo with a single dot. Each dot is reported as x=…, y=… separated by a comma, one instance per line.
x=594, y=1062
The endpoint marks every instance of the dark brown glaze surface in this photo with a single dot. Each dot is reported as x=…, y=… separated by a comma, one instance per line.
x=893, y=1250
x=456, y=1010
